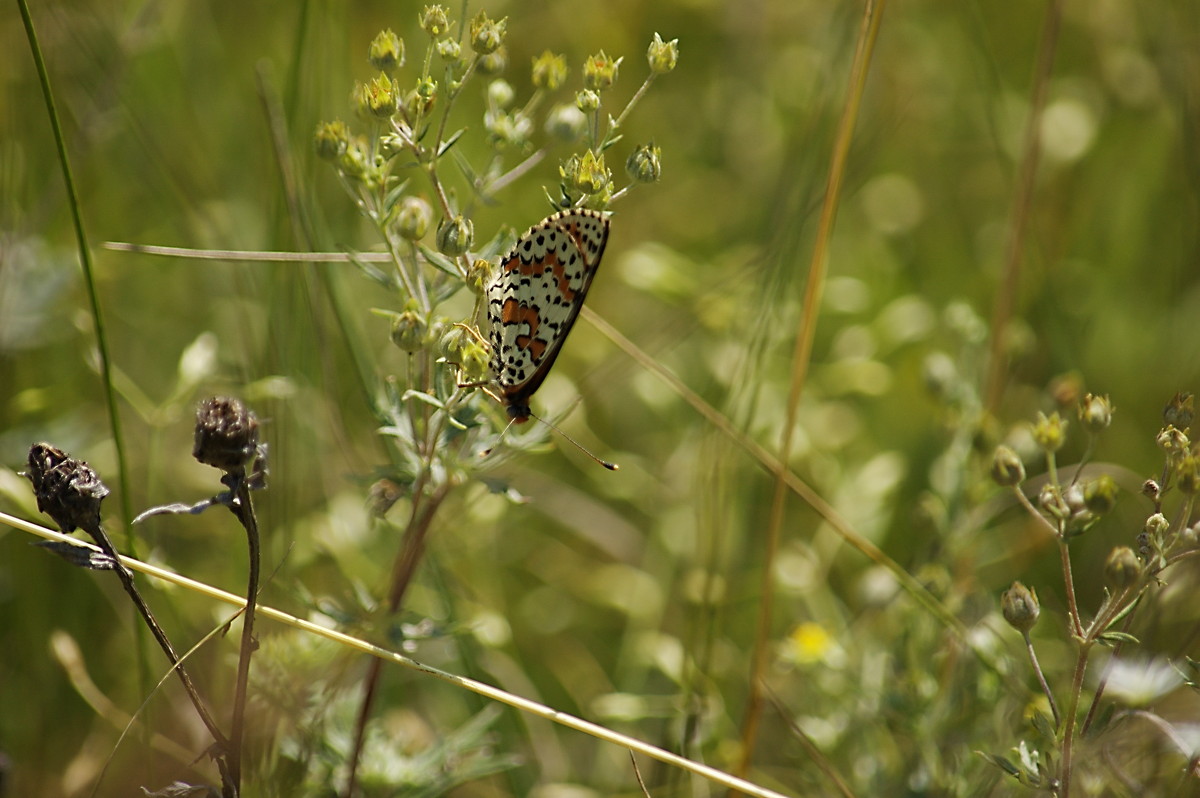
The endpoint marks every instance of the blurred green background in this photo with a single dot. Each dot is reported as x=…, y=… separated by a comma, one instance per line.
x=190, y=124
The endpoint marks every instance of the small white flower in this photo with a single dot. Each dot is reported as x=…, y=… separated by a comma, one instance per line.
x=1138, y=682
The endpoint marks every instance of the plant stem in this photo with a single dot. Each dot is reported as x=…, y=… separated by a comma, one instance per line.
x=1069, y=726
x=517, y=171
x=244, y=511
x=872, y=16
x=420, y=519
x=126, y=576
x=1033, y=511
x=1006, y=296
x=1037, y=669
x=633, y=101
x=1069, y=583
x=1091, y=715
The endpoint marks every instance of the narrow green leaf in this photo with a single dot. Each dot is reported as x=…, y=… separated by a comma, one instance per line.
x=439, y=261
x=1112, y=638
x=450, y=141
x=1001, y=762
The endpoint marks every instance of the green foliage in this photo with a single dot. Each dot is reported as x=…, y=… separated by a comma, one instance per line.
x=629, y=599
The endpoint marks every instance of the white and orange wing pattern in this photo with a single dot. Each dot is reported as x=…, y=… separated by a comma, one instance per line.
x=535, y=298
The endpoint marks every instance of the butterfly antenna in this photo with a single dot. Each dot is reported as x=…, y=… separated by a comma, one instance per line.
x=499, y=438
x=576, y=444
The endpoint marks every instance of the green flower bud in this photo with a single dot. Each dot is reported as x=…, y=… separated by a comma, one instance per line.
x=568, y=170
x=662, y=55
x=386, y=52
x=453, y=342
x=593, y=176
x=474, y=361
x=1095, y=412
x=409, y=331
x=600, y=71
x=455, y=236
x=360, y=100
x=1122, y=568
x=331, y=139
x=1020, y=607
x=355, y=161
x=1178, y=412
x=1173, y=441
x=1050, y=433
x=434, y=20
x=382, y=97
x=493, y=63
x=587, y=101
x=566, y=123
x=499, y=93
x=1156, y=525
x=391, y=145
x=448, y=49
x=1052, y=503
x=507, y=129
x=1007, y=468
x=413, y=218
x=479, y=276
x=419, y=101
x=487, y=34
x=644, y=164
x=1100, y=495
x=549, y=70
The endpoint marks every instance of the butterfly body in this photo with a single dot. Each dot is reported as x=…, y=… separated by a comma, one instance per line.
x=537, y=294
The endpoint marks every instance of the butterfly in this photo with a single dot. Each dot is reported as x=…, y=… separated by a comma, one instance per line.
x=534, y=299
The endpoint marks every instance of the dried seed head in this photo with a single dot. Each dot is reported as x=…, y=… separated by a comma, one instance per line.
x=67, y=490
x=226, y=434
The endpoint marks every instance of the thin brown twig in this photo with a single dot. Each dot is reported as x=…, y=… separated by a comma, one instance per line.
x=1069, y=724
x=244, y=511
x=801, y=357
x=1041, y=677
x=1006, y=296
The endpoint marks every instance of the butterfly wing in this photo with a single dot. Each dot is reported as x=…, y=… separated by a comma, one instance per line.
x=537, y=295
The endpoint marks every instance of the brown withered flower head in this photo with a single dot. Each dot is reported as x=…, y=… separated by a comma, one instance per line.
x=67, y=490
x=226, y=434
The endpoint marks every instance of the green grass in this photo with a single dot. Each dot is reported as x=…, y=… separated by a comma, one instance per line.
x=629, y=599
